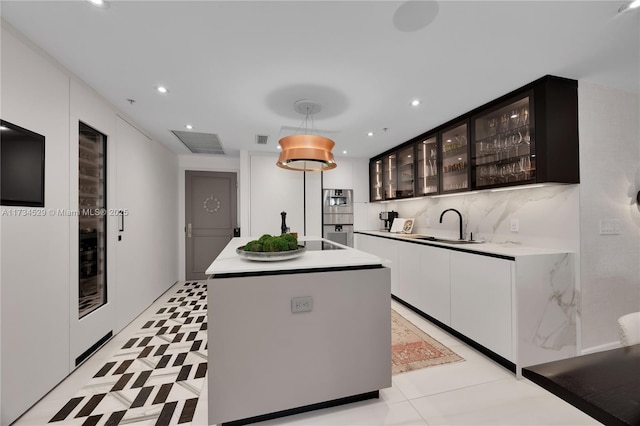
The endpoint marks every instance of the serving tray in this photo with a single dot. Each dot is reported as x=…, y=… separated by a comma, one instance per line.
x=265, y=256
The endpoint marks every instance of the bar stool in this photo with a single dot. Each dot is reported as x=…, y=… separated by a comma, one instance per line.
x=629, y=329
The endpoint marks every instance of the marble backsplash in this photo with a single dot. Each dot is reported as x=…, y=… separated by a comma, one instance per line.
x=547, y=216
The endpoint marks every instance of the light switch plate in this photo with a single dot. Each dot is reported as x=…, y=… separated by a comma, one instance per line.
x=515, y=225
x=609, y=226
x=301, y=304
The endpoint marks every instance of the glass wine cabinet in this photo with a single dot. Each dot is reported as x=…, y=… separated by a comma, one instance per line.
x=524, y=137
x=92, y=220
x=502, y=146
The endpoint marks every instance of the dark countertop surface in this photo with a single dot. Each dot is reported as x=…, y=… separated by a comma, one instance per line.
x=605, y=385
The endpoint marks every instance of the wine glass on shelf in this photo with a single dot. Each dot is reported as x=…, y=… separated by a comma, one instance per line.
x=527, y=141
x=524, y=116
x=517, y=141
x=504, y=122
x=513, y=119
x=491, y=125
x=483, y=173
x=513, y=172
x=493, y=173
x=524, y=166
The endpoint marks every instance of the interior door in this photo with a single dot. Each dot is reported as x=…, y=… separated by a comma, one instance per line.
x=210, y=216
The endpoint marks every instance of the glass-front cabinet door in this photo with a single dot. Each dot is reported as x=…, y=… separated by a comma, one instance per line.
x=455, y=158
x=389, y=176
x=503, y=146
x=427, y=160
x=92, y=285
x=405, y=160
x=375, y=180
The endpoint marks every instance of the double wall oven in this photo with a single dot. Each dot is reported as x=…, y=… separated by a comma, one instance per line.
x=337, y=215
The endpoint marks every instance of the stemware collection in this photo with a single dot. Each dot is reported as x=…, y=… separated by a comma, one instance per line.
x=503, y=147
x=502, y=153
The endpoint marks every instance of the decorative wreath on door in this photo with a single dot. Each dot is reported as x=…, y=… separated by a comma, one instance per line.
x=211, y=204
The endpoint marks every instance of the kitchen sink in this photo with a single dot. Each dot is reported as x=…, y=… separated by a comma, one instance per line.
x=448, y=241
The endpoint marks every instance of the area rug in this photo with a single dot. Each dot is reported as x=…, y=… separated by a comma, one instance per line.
x=413, y=349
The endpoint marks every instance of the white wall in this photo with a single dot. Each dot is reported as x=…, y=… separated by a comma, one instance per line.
x=610, y=180
x=41, y=335
x=274, y=190
x=208, y=163
x=35, y=250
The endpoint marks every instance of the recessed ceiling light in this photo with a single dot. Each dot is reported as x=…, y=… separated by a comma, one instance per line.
x=161, y=89
x=370, y=134
x=409, y=156
x=189, y=126
x=4, y=128
x=415, y=102
x=344, y=152
x=448, y=140
x=98, y=3
x=278, y=146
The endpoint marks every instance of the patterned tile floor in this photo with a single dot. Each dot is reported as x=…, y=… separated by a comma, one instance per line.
x=429, y=396
x=157, y=375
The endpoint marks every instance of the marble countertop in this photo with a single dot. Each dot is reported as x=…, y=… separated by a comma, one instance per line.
x=506, y=249
x=228, y=261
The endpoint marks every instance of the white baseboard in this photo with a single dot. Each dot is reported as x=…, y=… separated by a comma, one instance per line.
x=600, y=348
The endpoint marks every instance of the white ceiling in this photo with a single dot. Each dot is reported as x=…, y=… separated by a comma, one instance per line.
x=235, y=68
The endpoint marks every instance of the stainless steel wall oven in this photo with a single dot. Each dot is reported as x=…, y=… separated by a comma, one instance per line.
x=337, y=215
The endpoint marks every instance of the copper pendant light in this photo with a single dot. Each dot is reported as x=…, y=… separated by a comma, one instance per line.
x=306, y=152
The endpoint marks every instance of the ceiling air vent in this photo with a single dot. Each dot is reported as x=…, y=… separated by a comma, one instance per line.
x=262, y=139
x=200, y=143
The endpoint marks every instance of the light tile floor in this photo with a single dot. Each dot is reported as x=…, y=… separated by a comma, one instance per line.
x=476, y=391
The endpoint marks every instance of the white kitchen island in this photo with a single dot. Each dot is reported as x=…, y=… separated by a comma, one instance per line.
x=266, y=361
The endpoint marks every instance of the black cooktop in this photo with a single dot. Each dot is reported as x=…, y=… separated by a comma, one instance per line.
x=316, y=245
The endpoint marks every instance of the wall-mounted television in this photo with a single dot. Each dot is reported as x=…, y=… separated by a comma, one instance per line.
x=21, y=166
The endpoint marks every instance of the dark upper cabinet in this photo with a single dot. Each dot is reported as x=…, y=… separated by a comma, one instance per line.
x=392, y=176
x=406, y=172
x=427, y=166
x=503, y=145
x=454, y=147
x=375, y=180
x=389, y=176
x=530, y=136
x=527, y=136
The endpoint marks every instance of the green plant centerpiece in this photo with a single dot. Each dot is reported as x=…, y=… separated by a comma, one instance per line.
x=269, y=243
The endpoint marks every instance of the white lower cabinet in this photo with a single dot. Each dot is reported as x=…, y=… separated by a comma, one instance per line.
x=481, y=303
x=423, y=279
x=470, y=293
x=385, y=249
x=522, y=307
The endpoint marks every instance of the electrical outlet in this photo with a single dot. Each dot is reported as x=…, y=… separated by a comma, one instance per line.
x=301, y=304
x=515, y=225
x=609, y=226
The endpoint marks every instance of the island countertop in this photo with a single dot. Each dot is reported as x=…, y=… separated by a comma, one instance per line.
x=228, y=261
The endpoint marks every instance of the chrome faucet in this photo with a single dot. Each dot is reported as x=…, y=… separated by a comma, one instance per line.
x=459, y=215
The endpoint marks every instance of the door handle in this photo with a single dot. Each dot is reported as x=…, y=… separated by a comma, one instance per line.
x=189, y=230
x=121, y=228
